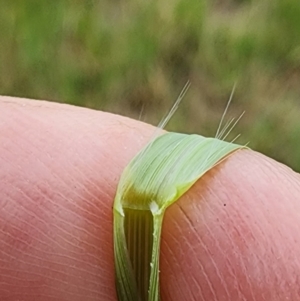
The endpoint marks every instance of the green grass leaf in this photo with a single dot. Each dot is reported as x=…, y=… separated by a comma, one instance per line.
x=158, y=176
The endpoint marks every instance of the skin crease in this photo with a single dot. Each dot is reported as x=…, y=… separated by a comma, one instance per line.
x=234, y=236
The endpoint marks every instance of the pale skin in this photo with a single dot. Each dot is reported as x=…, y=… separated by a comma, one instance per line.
x=233, y=236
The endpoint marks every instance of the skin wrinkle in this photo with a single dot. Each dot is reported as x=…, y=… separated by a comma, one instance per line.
x=178, y=229
x=278, y=248
x=55, y=288
x=207, y=230
x=234, y=247
x=30, y=212
x=220, y=250
x=191, y=293
x=54, y=297
x=239, y=235
x=76, y=185
x=234, y=243
x=51, y=278
x=218, y=273
x=27, y=263
x=183, y=235
x=196, y=289
x=58, y=267
x=58, y=246
x=208, y=281
x=42, y=257
x=42, y=261
x=166, y=293
x=237, y=222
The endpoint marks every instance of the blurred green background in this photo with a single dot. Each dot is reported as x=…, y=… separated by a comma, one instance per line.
x=133, y=57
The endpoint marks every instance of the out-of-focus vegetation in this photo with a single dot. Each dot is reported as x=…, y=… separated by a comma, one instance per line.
x=135, y=56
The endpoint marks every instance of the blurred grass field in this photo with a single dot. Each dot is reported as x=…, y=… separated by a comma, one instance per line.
x=133, y=57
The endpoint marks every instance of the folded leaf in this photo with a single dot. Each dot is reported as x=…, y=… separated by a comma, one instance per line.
x=158, y=176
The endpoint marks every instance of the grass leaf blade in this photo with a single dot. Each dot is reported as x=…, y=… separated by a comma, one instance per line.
x=158, y=176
